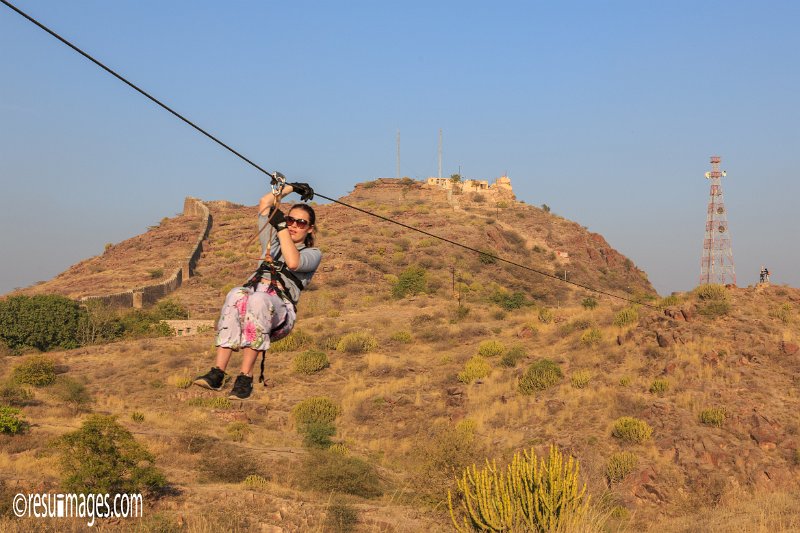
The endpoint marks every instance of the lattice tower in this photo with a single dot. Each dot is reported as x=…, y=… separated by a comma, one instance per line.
x=717, y=263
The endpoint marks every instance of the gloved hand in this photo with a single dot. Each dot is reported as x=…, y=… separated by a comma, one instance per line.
x=276, y=219
x=304, y=190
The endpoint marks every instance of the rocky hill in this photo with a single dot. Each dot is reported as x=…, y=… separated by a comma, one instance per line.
x=713, y=374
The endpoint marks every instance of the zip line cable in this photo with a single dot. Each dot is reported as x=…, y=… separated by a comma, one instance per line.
x=256, y=166
x=486, y=254
x=133, y=86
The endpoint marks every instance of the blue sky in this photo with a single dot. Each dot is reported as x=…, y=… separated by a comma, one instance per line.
x=606, y=111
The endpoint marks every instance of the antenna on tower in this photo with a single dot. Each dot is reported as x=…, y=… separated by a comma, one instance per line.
x=398, y=154
x=440, y=153
x=716, y=265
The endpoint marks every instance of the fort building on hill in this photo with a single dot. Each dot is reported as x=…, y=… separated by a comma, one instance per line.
x=501, y=185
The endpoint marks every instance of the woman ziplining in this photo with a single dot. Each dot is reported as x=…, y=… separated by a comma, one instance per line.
x=264, y=309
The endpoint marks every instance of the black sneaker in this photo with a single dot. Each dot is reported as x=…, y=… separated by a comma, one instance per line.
x=242, y=387
x=213, y=380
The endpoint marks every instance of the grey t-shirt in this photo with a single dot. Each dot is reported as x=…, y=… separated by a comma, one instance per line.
x=309, y=257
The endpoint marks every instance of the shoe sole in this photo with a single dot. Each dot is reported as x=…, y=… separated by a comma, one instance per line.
x=234, y=397
x=203, y=383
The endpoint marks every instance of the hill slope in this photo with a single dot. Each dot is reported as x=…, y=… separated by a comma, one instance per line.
x=404, y=409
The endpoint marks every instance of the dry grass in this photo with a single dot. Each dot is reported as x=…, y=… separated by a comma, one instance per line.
x=393, y=397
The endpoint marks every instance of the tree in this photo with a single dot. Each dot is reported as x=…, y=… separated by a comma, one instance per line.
x=43, y=321
x=103, y=457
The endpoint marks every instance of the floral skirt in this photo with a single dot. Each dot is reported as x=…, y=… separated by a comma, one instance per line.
x=253, y=318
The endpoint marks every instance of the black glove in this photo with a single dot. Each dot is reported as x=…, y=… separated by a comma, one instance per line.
x=304, y=190
x=276, y=219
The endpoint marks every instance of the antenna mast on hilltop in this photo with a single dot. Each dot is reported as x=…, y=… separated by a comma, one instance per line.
x=717, y=263
x=440, y=153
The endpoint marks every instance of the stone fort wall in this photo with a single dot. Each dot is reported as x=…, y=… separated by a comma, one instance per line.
x=139, y=297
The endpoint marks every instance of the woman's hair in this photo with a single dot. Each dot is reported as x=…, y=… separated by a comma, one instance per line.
x=312, y=220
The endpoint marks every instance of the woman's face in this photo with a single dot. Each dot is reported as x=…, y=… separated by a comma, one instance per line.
x=298, y=224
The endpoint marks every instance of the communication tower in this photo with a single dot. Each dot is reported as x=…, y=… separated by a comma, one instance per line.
x=717, y=263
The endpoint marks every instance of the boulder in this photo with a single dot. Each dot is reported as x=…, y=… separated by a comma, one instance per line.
x=763, y=433
x=789, y=348
x=664, y=341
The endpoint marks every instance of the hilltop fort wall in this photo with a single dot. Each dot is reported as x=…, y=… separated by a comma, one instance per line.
x=138, y=297
x=470, y=189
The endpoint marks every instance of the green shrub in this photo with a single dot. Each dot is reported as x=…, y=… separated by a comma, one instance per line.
x=180, y=382
x=310, y=361
x=589, y=302
x=99, y=323
x=15, y=395
x=713, y=416
x=403, y=337
x=72, y=393
x=36, y=370
x=530, y=494
x=459, y=314
x=141, y=323
x=137, y=417
x=475, y=368
x=714, y=308
x=238, y=431
x=168, y=309
x=659, y=386
x=580, y=378
x=630, y=429
x=11, y=421
x=491, y=348
x=711, y=291
x=216, y=402
x=413, y=280
x=328, y=341
x=624, y=381
x=546, y=315
x=783, y=313
x=339, y=448
x=509, y=300
x=317, y=434
x=296, y=340
x=486, y=258
x=445, y=450
x=357, y=342
x=316, y=409
x=103, y=457
x=592, y=337
x=620, y=465
x=254, y=481
x=541, y=375
x=513, y=356
x=327, y=472
x=669, y=301
x=42, y=321
x=626, y=317
x=341, y=518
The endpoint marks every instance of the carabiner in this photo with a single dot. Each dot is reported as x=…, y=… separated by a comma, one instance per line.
x=278, y=182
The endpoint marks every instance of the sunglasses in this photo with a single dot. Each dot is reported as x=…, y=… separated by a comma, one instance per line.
x=301, y=223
